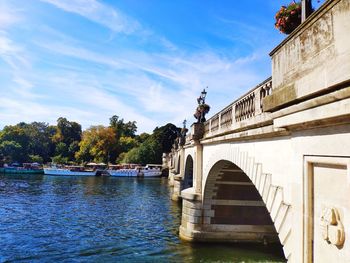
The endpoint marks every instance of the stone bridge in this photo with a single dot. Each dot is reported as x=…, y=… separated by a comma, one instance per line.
x=274, y=166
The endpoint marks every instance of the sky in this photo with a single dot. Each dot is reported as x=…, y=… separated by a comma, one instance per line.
x=143, y=60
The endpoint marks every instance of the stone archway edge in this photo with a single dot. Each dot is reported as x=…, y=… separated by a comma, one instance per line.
x=272, y=195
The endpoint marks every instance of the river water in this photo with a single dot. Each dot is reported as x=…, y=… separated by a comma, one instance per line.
x=94, y=219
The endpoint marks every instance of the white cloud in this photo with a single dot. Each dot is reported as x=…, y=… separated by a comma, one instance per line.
x=151, y=88
x=164, y=85
x=99, y=13
x=13, y=54
x=8, y=16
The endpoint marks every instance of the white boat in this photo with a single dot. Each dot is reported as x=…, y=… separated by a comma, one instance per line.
x=134, y=170
x=69, y=170
x=151, y=170
x=123, y=170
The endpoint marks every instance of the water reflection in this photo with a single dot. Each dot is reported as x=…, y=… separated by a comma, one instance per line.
x=91, y=219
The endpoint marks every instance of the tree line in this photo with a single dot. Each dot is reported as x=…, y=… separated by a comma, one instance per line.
x=67, y=143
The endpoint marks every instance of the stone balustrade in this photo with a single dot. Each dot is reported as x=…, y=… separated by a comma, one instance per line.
x=244, y=108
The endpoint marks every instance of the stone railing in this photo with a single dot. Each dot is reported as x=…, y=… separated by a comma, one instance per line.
x=245, y=108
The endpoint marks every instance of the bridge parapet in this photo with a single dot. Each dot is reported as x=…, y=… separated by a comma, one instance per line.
x=240, y=113
x=314, y=59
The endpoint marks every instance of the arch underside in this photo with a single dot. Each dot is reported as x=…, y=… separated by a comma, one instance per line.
x=188, y=175
x=234, y=209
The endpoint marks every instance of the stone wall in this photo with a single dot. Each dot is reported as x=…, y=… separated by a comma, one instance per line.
x=314, y=59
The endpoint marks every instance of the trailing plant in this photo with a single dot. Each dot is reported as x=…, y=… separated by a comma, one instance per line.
x=288, y=17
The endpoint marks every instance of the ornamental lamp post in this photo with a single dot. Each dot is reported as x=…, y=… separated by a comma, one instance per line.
x=202, y=102
x=203, y=95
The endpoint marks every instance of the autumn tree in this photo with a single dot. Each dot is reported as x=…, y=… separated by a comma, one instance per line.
x=96, y=145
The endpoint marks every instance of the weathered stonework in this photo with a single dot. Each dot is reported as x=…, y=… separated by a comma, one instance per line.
x=197, y=131
x=302, y=62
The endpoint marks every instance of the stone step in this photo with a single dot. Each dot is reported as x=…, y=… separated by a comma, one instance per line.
x=236, y=154
x=277, y=202
x=271, y=197
x=266, y=188
x=250, y=167
x=288, y=245
x=254, y=172
x=285, y=228
x=262, y=182
x=229, y=170
x=233, y=183
x=237, y=202
x=281, y=215
x=241, y=228
x=244, y=164
x=258, y=173
x=287, y=250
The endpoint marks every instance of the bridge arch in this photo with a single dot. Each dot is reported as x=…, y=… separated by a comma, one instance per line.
x=236, y=206
x=178, y=164
x=188, y=174
x=270, y=196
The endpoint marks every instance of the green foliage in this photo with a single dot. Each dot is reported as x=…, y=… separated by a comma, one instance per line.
x=67, y=137
x=123, y=129
x=61, y=149
x=11, y=151
x=151, y=150
x=38, y=142
x=59, y=159
x=127, y=143
x=142, y=137
x=36, y=158
x=31, y=139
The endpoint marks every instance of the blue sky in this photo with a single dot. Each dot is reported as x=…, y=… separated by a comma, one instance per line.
x=143, y=60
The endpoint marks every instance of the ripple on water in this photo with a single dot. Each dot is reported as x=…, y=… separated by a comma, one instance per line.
x=89, y=219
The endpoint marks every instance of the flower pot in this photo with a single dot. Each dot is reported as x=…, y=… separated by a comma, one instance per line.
x=288, y=18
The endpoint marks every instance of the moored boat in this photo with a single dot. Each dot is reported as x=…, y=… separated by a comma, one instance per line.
x=70, y=170
x=123, y=170
x=134, y=170
x=151, y=170
x=26, y=168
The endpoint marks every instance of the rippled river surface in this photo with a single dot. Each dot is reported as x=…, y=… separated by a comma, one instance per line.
x=91, y=219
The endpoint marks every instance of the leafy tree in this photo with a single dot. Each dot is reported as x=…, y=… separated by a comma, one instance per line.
x=123, y=129
x=67, y=131
x=36, y=158
x=40, y=143
x=97, y=143
x=151, y=150
x=67, y=137
x=126, y=143
x=72, y=149
x=142, y=137
x=12, y=151
x=61, y=149
x=166, y=135
x=60, y=159
x=33, y=139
